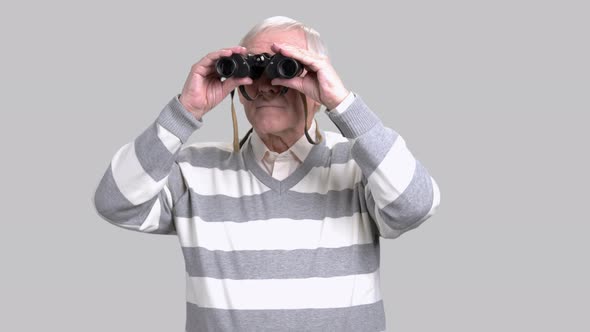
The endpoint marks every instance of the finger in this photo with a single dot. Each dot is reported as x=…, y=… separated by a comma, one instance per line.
x=211, y=58
x=203, y=70
x=206, y=66
x=310, y=59
x=231, y=83
x=293, y=83
x=240, y=49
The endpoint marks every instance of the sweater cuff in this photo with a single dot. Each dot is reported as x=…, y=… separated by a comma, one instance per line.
x=357, y=120
x=176, y=119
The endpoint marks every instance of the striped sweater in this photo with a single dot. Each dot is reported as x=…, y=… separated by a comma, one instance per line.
x=301, y=254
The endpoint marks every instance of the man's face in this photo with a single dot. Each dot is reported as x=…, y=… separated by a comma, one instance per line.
x=271, y=113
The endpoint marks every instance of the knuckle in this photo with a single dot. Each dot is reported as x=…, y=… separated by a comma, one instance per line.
x=197, y=67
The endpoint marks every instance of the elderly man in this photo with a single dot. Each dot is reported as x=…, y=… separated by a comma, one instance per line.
x=280, y=233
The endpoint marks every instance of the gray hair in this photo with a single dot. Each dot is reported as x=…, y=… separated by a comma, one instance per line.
x=314, y=41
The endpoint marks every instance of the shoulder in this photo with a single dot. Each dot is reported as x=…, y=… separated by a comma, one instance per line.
x=337, y=143
x=339, y=148
x=333, y=139
x=200, y=146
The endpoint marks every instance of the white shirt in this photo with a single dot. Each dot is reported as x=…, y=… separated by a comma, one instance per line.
x=281, y=165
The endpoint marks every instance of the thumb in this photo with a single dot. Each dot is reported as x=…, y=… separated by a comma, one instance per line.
x=233, y=82
x=293, y=83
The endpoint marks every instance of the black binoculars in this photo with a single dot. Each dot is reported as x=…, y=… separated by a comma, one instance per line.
x=254, y=65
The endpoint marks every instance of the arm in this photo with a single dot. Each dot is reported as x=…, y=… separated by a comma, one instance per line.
x=142, y=181
x=399, y=192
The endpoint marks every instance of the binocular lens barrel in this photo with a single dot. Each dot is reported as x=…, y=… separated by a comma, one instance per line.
x=288, y=68
x=226, y=66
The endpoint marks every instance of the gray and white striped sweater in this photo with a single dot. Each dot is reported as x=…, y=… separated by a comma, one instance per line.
x=301, y=254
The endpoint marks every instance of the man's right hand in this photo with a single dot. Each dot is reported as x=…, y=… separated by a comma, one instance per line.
x=204, y=89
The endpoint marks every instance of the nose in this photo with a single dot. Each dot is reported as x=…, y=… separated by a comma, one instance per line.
x=265, y=88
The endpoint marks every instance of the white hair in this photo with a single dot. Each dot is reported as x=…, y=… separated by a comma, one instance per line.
x=314, y=41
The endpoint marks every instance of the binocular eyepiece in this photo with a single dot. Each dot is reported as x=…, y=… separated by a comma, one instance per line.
x=254, y=65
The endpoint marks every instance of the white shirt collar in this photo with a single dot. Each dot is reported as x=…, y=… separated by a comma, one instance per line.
x=300, y=149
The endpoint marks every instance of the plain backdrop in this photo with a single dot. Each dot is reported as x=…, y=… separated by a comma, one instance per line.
x=491, y=96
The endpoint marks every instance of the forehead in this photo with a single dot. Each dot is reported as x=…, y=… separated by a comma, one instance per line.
x=262, y=42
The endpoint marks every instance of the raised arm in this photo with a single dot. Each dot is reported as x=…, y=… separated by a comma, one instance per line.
x=142, y=182
x=399, y=192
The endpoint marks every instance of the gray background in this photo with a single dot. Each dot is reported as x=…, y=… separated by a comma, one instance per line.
x=491, y=96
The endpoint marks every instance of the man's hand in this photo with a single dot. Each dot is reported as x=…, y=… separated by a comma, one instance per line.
x=321, y=82
x=204, y=89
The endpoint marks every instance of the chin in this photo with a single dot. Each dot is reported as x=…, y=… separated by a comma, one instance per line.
x=269, y=128
x=269, y=122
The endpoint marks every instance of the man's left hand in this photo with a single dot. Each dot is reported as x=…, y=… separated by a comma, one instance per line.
x=320, y=82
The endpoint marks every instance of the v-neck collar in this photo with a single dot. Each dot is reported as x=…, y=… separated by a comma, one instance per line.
x=299, y=150
x=280, y=186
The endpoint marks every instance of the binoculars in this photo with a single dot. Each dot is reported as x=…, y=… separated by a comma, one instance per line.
x=254, y=65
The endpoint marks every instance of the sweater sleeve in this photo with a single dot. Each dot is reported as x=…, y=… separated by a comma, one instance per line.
x=143, y=180
x=399, y=192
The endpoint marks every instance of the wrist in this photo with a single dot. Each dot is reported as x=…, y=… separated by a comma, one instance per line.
x=337, y=100
x=195, y=112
